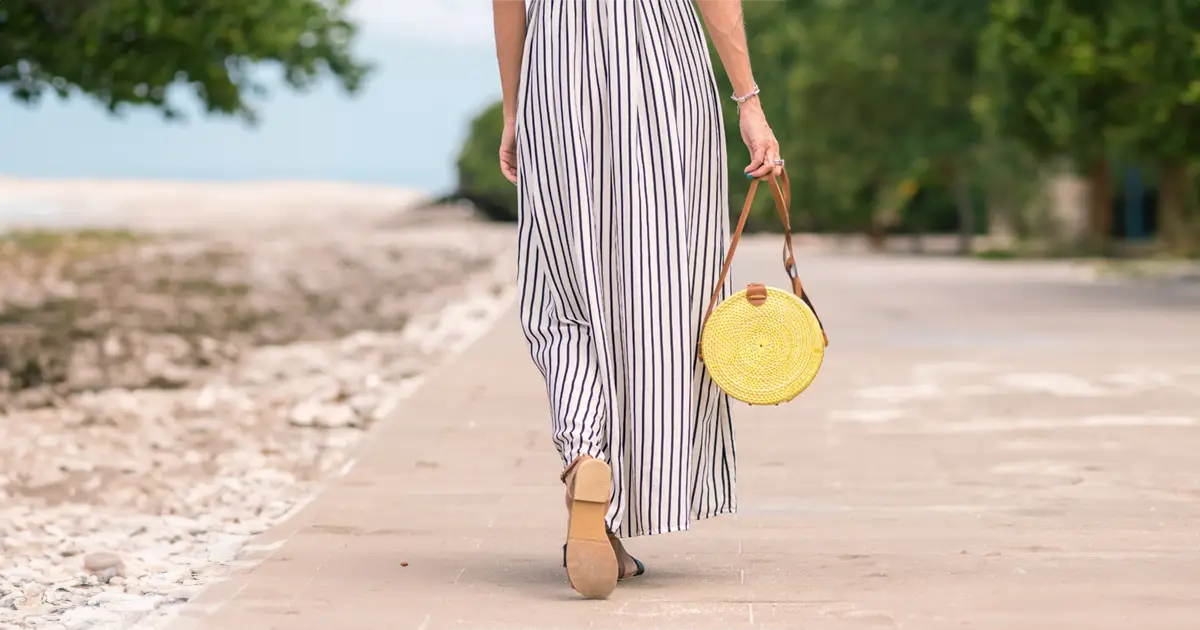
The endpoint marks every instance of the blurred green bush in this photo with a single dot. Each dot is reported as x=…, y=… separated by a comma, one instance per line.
x=479, y=178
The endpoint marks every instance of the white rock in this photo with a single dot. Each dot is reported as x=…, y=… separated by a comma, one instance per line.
x=325, y=415
x=364, y=404
x=206, y=400
x=89, y=617
x=43, y=566
x=305, y=414
x=104, y=565
x=124, y=602
x=33, y=596
x=180, y=594
x=339, y=417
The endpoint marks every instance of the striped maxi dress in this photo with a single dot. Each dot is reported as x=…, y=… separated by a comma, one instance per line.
x=623, y=225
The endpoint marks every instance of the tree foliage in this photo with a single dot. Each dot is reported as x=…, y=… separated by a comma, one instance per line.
x=907, y=114
x=1093, y=81
x=1158, y=114
x=869, y=98
x=132, y=52
x=1048, y=83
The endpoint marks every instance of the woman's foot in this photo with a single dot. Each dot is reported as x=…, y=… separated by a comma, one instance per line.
x=591, y=560
x=627, y=566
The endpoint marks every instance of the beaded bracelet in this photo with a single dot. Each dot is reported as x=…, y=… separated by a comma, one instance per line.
x=742, y=99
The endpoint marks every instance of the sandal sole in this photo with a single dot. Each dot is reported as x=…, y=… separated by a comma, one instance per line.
x=591, y=561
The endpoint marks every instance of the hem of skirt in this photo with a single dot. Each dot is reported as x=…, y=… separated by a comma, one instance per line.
x=670, y=529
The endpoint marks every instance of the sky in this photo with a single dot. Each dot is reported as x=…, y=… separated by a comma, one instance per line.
x=436, y=68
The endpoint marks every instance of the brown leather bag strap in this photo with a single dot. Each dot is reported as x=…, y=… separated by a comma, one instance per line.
x=733, y=243
x=783, y=200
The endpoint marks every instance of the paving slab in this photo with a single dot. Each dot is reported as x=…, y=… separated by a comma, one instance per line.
x=989, y=445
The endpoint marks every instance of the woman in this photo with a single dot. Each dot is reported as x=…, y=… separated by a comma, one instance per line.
x=613, y=135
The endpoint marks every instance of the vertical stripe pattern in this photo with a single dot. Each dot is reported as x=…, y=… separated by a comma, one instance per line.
x=623, y=226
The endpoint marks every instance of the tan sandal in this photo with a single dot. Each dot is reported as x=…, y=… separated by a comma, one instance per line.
x=641, y=568
x=591, y=562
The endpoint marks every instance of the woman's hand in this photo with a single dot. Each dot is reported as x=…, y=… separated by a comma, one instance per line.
x=508, y=150
x=760, y=140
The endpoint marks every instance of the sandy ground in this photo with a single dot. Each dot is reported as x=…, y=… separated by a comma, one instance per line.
x=150, y=204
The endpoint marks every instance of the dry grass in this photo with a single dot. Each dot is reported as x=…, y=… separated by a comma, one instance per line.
x=78, y=243
x=91, y=309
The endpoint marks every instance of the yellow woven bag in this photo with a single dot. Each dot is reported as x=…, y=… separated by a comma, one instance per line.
x=763, y=345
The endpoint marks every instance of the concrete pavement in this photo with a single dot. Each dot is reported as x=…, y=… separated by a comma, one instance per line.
x=989, y=445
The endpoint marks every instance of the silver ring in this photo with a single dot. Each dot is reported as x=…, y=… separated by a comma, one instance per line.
x=779, y=162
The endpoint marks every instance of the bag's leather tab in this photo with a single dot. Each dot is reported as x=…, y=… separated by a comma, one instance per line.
x=756, y=294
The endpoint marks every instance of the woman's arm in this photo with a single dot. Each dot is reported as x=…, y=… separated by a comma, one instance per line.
x=509, y=19
x=725, y=26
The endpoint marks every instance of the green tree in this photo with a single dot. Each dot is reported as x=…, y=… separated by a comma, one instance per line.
x=1091, y=81
x=130, y=52
x=868, y=96
x=1157, y=115
x=1050, y=83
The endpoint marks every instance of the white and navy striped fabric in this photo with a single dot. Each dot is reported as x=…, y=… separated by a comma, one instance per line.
x=623, y=227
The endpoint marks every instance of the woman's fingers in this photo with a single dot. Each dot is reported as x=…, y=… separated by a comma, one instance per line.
x=508, y=160
x=772, y=158
x=773, y=152
x=758, y=161
x=508, y=152
x=763, y=165
x=771, y=164
x=508, y=167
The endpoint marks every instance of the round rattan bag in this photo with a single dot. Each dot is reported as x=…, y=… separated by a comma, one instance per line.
x=763, y=345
